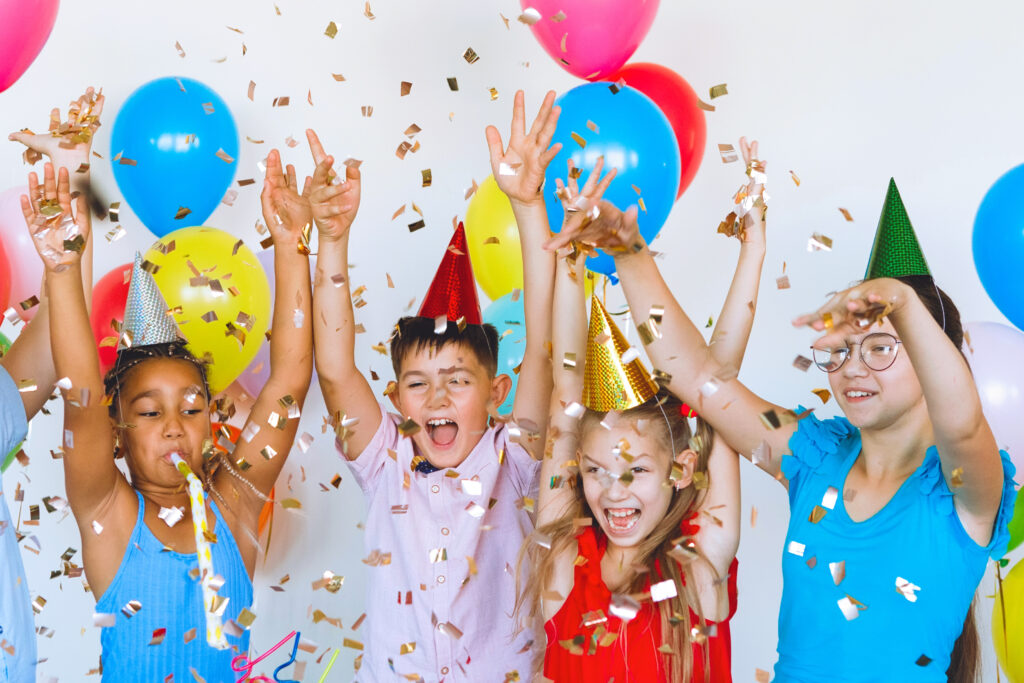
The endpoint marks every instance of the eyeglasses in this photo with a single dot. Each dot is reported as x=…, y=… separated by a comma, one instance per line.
x=877, y=352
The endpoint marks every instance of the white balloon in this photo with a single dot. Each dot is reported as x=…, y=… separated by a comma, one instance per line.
x=995, y=353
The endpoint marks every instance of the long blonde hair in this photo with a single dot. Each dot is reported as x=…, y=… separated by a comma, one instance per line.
x=657, y=553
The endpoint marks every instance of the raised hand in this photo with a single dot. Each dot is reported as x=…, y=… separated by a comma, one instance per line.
x=59, y=232
x=334, y=199
x=584, y=207
x=853, y=311
x=286, y=210
x=752, y=197
x=519, y=169
x=67, y=143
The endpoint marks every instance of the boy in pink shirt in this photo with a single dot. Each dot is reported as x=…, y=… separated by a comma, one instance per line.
x=448, y=497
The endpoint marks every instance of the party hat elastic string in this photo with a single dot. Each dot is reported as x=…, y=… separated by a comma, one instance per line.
x=212, y=604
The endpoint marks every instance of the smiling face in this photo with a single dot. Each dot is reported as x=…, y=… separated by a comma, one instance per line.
x=448, y=392
x=875, y=399
x=164, y=401
x=629, y=510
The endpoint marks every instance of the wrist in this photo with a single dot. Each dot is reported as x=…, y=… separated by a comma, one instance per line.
x=527, y=204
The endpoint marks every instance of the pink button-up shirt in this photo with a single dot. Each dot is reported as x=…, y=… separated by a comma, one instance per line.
x=442, y=593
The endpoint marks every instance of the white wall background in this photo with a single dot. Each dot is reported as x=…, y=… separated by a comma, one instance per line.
x=844, y=94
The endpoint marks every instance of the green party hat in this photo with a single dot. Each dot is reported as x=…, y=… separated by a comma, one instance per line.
x=896, y=252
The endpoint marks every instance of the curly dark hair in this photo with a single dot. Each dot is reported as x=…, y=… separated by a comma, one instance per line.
x=130, y=357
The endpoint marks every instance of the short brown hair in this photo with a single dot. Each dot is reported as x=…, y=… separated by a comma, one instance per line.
x=414, y=333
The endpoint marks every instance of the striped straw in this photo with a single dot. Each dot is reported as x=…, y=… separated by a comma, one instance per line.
x=214, y=627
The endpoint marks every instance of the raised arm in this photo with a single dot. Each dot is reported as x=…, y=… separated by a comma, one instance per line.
x=519, y=172
x=59, y=233
x=287, y=215
x=68, y=146
x=732, y=330
x=347, y=394
x=967, y=449
x=697, y=376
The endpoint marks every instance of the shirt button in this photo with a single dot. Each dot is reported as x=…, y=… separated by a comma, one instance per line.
x=444, y=670
x=435, y=488
x=444, y=530
x=440, y=579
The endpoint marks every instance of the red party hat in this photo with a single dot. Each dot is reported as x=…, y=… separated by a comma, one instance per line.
x=453, y=291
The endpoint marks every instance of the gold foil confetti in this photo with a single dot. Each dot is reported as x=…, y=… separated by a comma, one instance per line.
x=728, y=153
x=280, y=101
x=782, y=282
x=817, y=514
x=182, y=212
x=408, y=427
x=338, y=77
x=701, y=104
x=405, y=88
x=367, y=12
x=719, y=90
x=181, y=50
x=494, y=94
x=470, y=56
x=795, y=177
x=846, y=214
x=819, y=242
x=427, y=177
x=413, y=227
x=331, y=30
x=530, y=16
x=823, y=394
x=578, y=139
x=956, y=478
x=453, y=83
x=158, y=636
x=802, y=363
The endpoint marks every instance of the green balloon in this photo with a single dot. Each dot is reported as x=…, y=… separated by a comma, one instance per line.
x=9, y=458
x=5, y=345
x=1016, y=525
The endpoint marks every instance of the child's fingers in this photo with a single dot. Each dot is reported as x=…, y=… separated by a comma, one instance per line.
x=594, y=176
x=64, y=190
x=518, y=116
x=323, y=169
x=307, y=185
x=33, y=189
x=605, y=182
x=494, y=146
x=82, y=215
x=550, y=126
x=28, y=211
x=571, y=181
x=293, y=181
x=543, y=115
x=351, y=172
x=49, y=181
x=274, y=172
x=547, y=156
x=315, y=147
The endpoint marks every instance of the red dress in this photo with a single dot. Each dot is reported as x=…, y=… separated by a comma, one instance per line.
x=633, y=656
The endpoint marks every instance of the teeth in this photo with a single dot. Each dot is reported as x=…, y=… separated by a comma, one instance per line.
x=621, y=513
x=858, y=394
x=438, y=421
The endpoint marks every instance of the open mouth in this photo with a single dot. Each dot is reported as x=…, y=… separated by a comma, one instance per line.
x=622, y=520
x=442, y=431
x=856, y=395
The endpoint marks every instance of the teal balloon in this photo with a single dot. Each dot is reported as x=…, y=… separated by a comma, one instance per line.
x=508, y=316
x=172, y=129
x=632, y=134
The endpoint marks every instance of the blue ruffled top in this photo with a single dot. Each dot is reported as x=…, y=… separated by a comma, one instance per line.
x=883, y=599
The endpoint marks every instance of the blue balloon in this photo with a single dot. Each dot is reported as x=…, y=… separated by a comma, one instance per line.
x=173, y=128
x=633, y=136
x=509, y=315
x=998, y=244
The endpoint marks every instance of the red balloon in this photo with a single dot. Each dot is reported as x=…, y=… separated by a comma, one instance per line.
x=108, y=298
x=678, y=102
x=5, y=279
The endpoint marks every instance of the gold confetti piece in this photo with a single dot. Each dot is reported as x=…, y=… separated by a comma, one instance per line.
x=125, y=161
x=208, y=108
x=819, y=242
x=413, y=227
x=427, y=177
x=823, y=394
x=728, y=153
x=470, y=55
x=719, y=90
x=802, y=363
x=956, y=478
x=817, y=514
x=701, y=104
x=405, y=88
x=453, y=83
x=398, y=213
x=331, y=30
x=338, y=77
x=182, y=212
x=578, y=139
x=367, y=13
x=846, y=214
x=29, y=303
x=795, y=177
x=762, y=676
x=354, y=644
x=408, y=427
x=291, y=503
x=280, y=102
x=181, y=51
x=561, y=45
x=494, y=94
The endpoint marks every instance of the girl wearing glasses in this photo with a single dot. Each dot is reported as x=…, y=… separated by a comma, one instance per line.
x=896, y=507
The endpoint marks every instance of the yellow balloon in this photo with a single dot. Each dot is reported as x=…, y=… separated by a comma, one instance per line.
x=1010, y=642
x=493, y=240
x=219, y=294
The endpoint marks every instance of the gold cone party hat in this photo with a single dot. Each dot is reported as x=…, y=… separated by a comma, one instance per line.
x=608, y=382
x=145, y=312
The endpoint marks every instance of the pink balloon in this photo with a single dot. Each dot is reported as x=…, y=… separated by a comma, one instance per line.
x=26, y=267
x=994, y=354
x=599, y=35
x=24, y=27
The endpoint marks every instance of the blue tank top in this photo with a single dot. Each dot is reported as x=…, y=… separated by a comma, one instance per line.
x=160, y=580
x=883, y=599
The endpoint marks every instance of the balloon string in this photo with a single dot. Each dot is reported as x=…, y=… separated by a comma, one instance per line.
x=1002, y=607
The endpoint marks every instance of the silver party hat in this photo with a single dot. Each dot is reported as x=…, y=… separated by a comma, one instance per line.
x=146, y=321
